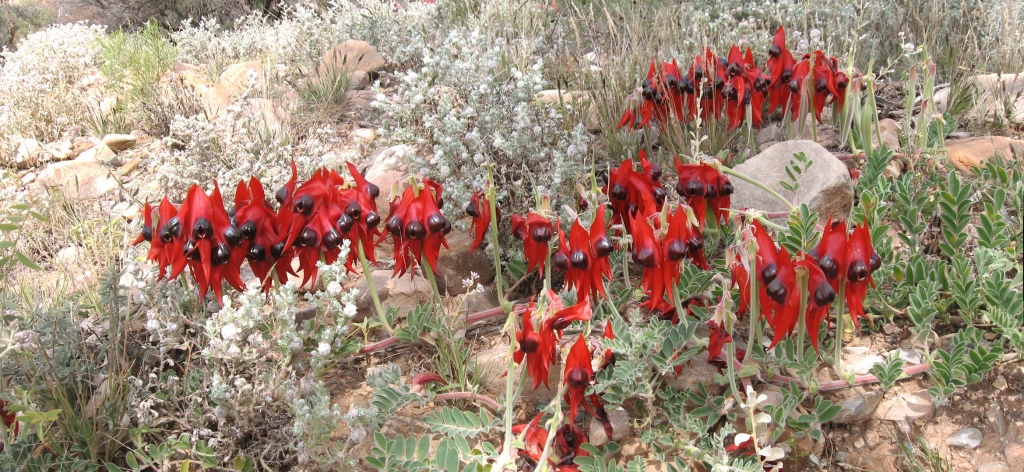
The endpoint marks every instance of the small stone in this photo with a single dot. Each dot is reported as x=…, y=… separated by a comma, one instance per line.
x=863, y=365
x=872, y=439
x=28, y=178
x=101, y=154
x=1000, y=383
x=842, y=456
x=856, y=350
x=350, y=56
x=995, y=417
x=909, y=356
x=78, y=180
x=67, y=256
x=621, y=423
x=993, y=467
x=28, y=154
x=358, y=80
x=967, y=438
x=859, y=443
x=913, y=406
x=966, y=154
x=890, y=134
x=363, y=135
x=119, y=142
x=858, y=408
x=889, y=328
x=1014, y=453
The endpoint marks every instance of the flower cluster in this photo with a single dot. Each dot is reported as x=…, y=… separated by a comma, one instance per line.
x=839, y=259
x=313, y=220
x=736, y=86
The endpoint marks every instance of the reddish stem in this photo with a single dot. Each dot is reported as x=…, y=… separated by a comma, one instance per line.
x=861, y=156
x=859, y=380
x=469, y=396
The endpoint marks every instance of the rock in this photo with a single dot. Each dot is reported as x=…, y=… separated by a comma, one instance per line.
x=1014, y=453
x=350, y=56
x=999, y=383
x=966, y=154
x=406, y=292
x=621, y=423
x=491, y=365
x=358, y=80
x=268, y=113
x=214, y=97
x=967, y=438
x=993, y=467
x=119, y=142
x=457, y=263
x=913, y=406
x=909, y=356
x=858, y=408
x=694, y=372
x=28, y=178
x=364, y=300
x=859, y=443
x=28, y=154
x=387, y=168
x=360, y=99
x=78, y=180
x=58, y=151
x=864, y=364
x=480, y=300
x=825, y=186
x=78, y=146
x=67, y=256
x=773, y=396
x=238, y=78
x=889, y=129
x=572, y=100
x=363, y=135
x=871, y=439
x=995, y=417
x=998, y=98
x=101, y=154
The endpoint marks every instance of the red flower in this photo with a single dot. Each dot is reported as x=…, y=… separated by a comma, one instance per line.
x=862, y=260
x=257, y=223
x=744, y=86
x=831, y=252
x=820, y=297
x=308, y=217
x=585, y=258
x=360, y=220
x=717, y=339
x=417, y=226
x=783, y=297
x=164, y=249
x=534, y=231
x=781, y=66
x=661, y=252
x=579, y=373
x=704, y=186
x=609, y=356
x=740, y=275
x=652, y=104
x=569, y=441
x=209, y=242
x=9, y=417
x=538, y=347
x=634, y=192
x=479, y=209
x=824, y=77
x=534, y=439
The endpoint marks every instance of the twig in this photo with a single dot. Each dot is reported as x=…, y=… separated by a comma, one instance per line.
x=859, y=380
x=469, y=396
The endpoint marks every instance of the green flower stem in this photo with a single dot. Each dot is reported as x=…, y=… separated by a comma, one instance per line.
x=763, y=217
x=373, y=291
x=492, y=207
x=801, y=324
x=754, y=308
x=552, y=426
x=757, y=183
x=838, y=357
x=429, y=271
x=730, y=353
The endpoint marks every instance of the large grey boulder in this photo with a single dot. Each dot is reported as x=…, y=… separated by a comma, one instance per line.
x=825, y=186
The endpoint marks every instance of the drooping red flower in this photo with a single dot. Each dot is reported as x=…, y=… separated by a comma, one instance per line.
x=165, y=248
x=538, y=347
x=660, y=251
x=783, y=298
x=10, y=418
x=824, y=77
x=609, y=356
x=308, y=220
x=417, y=226
x=579, y=375
x=767, y=266
x=744, y=87
x=479, y=209
x=535, y=438
x=585, y=257
x=820, y=296
x=209, y=242
x=633, y=192
x=704, y=187
x=534, y=231
x=740, y=275
x=831, y=252
x=862, y=260
x=651, y=102
x=568, y=443
x=563, y=317
x=256, y=220
x=647, y=251
x=781, y=66
x=717, y=339
x=360, y=218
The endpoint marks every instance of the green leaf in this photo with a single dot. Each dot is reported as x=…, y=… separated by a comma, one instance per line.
x=112, y=467
x=8, y=227
x=26, y=261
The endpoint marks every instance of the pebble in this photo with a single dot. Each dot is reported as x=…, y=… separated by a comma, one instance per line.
x=872, y=439
x=913, y=406
x=859, y=443
x=622, y=427
x=858, y=408
x=999, y=383
x=967, y=438
x=993, y=467
x=1014, y=453
x=995, y=417
x=909, y=356
x=863, y=365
